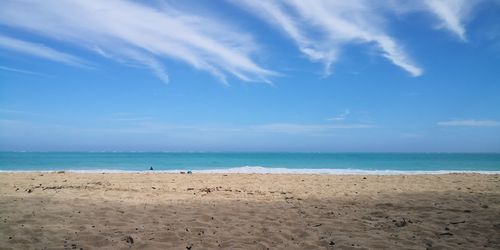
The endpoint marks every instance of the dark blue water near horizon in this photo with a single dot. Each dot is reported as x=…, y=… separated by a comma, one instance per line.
x=169, y=161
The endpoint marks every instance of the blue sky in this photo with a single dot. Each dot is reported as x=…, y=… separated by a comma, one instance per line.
x=378, y=76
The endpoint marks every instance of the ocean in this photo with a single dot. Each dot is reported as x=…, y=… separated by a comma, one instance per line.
x=327, y=163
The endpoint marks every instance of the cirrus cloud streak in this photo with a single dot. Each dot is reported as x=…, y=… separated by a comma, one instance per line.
x=470, y=123
x=40, y=50
x=140, y=34
x=321, y=28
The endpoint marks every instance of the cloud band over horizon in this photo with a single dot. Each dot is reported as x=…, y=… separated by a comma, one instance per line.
x=470, y=123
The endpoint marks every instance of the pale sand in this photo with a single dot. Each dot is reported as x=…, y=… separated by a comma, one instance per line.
x=248, y=211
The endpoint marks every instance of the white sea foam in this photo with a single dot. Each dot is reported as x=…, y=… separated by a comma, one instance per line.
x=266, y=170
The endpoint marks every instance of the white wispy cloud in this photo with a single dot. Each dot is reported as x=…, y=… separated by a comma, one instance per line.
x=410, y=135
x=20, y=71
x=321, y=28
x=341, y=116
x=134, y=33
x=151, y=126
x=39, y=50
x=162, y=128
x=470, y=123
x=13, y=111
x=299, y=128
x=452, y=14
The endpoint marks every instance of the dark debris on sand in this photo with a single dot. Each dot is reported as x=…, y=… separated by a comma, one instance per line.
x=129, y=239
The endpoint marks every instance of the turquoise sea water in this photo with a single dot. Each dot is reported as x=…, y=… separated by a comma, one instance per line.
x=251, y=162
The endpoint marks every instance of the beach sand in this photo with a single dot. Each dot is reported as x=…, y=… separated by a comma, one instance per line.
x=248, y=211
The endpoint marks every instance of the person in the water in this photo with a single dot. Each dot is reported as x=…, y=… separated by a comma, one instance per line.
x=150, y=168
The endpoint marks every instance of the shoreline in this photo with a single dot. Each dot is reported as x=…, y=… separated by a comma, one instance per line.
x=262, y=170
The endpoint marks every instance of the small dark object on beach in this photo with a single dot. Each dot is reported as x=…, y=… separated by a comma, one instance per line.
x=182, y=172
x=364, y=178
x=189, y=247
x=189, y=172
x=484, y=206
x=29, y=190
x=401, y=223
x=129, y=240
x=331, y=243
x=446, y=234
x=467, y=211
x=189, y=189
x=150, y=168
x=457, y=222
x=60, y=172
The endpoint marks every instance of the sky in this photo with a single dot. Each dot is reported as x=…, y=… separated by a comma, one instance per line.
x=269, y=75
